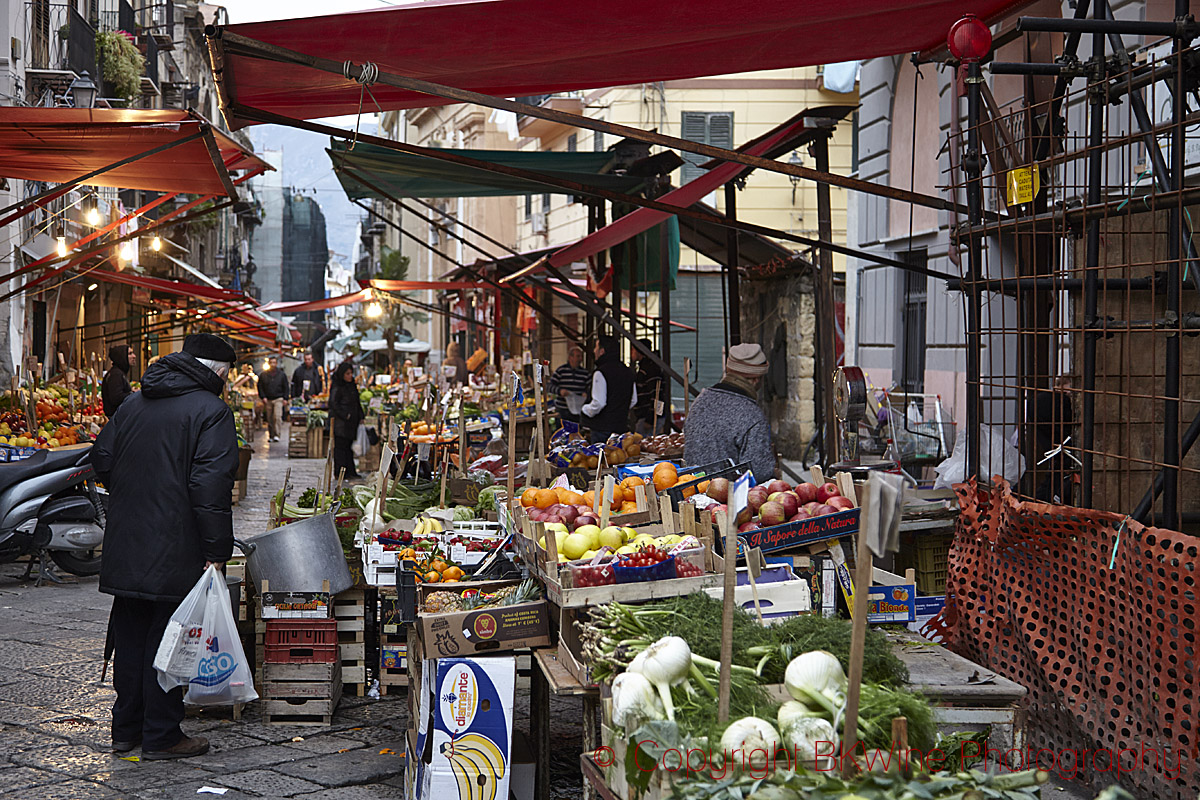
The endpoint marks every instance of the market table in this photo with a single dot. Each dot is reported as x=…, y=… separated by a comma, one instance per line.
x=553, y=677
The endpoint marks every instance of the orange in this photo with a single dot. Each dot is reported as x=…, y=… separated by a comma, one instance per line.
x=665, y=478
x=572, y=498
x=702, y=487
x=628, y=507
x=452, y=574
x=407, y=553
x=560, y=493
x=437, y=565
x=545, y=498
x=618, y=495
x=589, y=498
x=632, y=481
x=529, y=497
x=433, y=577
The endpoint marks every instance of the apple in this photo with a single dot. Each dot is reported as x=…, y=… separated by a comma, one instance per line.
x=756, y=497
x=553, y=517
x=807, y=492
x=771, y=513
x=718, y=489
x=612, y=536
x=809, y=508
x=787, y=500
x=826, y=491
x=822, y=510
x=777, y=486
x=584, y=508
x=584, y=520
x=799, y=516
x=841, y=503
x=568, y=513
x=576, y=545
x=749, y=526
x=591, y=533
x=745, y=515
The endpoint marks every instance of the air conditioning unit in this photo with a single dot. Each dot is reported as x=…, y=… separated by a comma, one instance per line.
x=538, y=221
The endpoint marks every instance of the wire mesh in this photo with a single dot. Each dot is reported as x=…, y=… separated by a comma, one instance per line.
x=1087, y=283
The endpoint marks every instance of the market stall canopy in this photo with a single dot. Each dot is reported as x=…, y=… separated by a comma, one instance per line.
x=58, y=145
x=519, y=48
x=299, y=306
x=405, y=175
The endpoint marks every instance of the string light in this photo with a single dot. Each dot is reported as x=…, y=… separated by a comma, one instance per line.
x=92, y=288
x=62, y=246
x=93, y=216
x=374, y=310
x=156, y=244
x=128, y=251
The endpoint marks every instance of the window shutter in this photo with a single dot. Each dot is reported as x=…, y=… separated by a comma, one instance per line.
x=528, y=206
x=572, y=143
x=720, y=129
x=707, y=127
x=598, y=142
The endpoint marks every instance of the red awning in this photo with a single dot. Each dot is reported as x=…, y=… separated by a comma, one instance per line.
x=58, y=145
x=515, y=48
x=416, y=286
x=298, y=306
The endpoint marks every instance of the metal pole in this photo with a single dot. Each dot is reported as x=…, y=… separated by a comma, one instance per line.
x=1171, y=457
x=1097, y=101
x=973, y=167
x=732, y=257
x=664, y=315
x=826, y=318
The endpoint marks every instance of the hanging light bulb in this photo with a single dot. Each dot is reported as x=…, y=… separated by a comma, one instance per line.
x=61, y=249
x=93, y=216
x=128, y=251
x=156, y=244
x=374, y=310
x=266, y=364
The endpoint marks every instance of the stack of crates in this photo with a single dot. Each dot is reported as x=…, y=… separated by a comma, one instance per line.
x=349, y=611
x=393, y=644
x=302, y=671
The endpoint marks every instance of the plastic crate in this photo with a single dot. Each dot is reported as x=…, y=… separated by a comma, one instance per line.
x=663, y=570
x=731, y=473
x=301, y=641
x=932, y=562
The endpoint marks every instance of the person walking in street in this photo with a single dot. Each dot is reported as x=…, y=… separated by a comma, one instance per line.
x=648, y=377
x=725, y=421
x=168, y=458
x=345, y=411
x=457, y=375
x=115, y=388
x=613, y=392
x=569, y=386
x=306, y=380
x=273, y=389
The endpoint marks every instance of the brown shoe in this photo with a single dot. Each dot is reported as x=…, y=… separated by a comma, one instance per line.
x=188, y=746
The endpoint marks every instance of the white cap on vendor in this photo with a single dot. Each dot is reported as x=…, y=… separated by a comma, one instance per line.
x=746, y=360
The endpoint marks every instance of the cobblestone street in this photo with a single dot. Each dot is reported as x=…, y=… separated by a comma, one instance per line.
x=55, y=713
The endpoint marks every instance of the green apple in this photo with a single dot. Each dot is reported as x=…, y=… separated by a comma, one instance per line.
x=589, y=554
x=629, y=533
x=612, y=536
x=626, y=550
x=592, y=533
x=576, y=545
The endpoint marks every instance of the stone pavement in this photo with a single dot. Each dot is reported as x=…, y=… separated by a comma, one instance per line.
x=55, y=711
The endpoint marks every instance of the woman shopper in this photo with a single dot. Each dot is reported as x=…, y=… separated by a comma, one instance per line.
x=345, y=412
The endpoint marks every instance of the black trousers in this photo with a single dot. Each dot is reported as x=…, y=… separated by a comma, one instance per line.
x=343, y=456
x=143, y=711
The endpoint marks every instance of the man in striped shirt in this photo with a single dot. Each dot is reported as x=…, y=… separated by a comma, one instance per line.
x=570, y=378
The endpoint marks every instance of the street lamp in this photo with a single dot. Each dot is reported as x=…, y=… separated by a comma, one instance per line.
x=83, y=91
x=796, y=161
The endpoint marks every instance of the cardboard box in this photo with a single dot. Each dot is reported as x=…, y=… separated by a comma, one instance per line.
x=463, y=747
x=487, y=630
x=524, y=768
x=295, y=605
x=891, y=604
x=778, y=601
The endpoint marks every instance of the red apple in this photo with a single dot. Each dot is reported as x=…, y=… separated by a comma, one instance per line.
x=749, y=526
x=584, y=508
x=586, y=519
x=799, y=516
x=807, y=492
x=756, y=497
x=787, y=500
x=841, y=503
x=822, y=510
x=718, y=489
x=568, y=513
x=827, y=491
x=552, y=517
x=743, y=516
x=777, y=486
x=771, y=513
x=809, y=508
x=536, y=514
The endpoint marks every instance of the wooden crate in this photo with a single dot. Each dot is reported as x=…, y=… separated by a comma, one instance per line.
x=393, y=678
x=316, y=442
x=349, y=609
x=300, y=694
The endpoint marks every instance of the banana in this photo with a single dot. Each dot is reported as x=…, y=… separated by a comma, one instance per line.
x=420, y=529
x=473, y=743
x=435, y=525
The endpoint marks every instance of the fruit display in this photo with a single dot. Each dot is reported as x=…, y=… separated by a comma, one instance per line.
x=778, y=502
x=425, y=433
x=448, y=602
x=54, y=428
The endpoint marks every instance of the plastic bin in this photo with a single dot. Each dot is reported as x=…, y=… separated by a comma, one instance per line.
x=663, y=570
x=585, y=573
x=301, y=641
x=689, y=563
x=732, y=473
x=932, y=562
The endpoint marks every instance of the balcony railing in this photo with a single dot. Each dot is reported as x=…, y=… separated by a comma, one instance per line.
x=58, y=38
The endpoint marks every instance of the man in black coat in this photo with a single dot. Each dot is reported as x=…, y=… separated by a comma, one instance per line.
x=613, y=391
x=306, y=373
x=168, y=459
x=273, y=388
x=115, y=386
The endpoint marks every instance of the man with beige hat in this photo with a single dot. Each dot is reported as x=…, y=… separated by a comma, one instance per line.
x=726, y=421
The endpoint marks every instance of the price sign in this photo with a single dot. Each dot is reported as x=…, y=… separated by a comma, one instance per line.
x=539, y=372
x=658, y=408
x=423, y=449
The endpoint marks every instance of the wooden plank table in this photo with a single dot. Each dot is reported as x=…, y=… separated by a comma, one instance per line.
x=553, y=678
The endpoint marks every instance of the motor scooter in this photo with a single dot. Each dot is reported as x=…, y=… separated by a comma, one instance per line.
x=52, y=510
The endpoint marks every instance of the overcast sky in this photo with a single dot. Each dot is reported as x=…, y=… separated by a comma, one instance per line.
x=259, y=10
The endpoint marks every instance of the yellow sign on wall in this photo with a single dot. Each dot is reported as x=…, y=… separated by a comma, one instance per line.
x=1024, y=183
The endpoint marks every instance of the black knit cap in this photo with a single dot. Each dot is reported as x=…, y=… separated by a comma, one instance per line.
x=207, y=345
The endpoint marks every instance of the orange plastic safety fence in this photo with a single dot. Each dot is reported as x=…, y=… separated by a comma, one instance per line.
x=1097, y=616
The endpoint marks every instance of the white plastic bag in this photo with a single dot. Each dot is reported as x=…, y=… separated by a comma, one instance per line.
x=200, y=648
x=997, y=456
x=361, y=443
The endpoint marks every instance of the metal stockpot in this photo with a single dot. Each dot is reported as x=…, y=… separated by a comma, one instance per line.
x=298, y=557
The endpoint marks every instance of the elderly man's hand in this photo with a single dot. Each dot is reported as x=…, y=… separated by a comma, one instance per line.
x=218, y=564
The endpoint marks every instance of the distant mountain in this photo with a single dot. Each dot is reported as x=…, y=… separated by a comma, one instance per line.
x=306, y=167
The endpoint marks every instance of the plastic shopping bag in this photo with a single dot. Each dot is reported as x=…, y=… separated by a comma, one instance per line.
x=200, y=648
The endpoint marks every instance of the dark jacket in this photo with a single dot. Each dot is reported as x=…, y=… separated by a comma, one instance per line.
x=168, y=459
x=614, y=417
x=115, y=386
x=312, y=375
x=649, y=380
x=461, y=372
x=272, y=384
x=345, y=409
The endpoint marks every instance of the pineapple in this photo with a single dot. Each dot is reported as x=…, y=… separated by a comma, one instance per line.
x=443, y=603
x=508, y=596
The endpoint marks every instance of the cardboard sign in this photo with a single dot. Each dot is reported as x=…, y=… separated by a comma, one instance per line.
x=809, y=531
x=295, y=605
x=891, y=603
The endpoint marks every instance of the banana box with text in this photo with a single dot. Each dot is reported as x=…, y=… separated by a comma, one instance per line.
x=491, y=629
x=463, y=744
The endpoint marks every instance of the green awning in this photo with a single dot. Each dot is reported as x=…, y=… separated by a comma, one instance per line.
x=406, y=175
